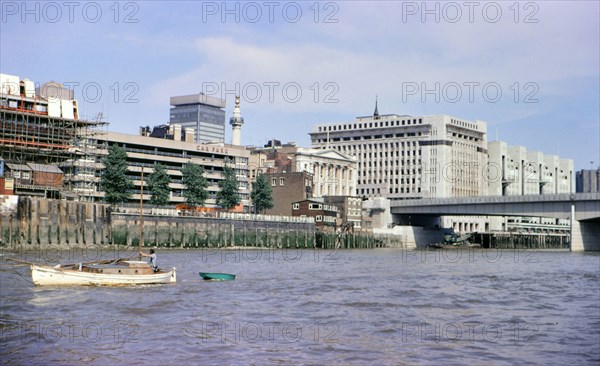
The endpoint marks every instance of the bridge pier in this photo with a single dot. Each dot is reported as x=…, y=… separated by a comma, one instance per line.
x=585, y=235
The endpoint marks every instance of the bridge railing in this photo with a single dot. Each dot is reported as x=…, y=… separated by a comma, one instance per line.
x=561, y=197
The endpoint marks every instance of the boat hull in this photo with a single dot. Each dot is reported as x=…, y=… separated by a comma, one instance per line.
x=49, y=276
x=211, y=276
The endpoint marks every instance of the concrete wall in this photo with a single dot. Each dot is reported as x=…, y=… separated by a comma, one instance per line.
x=35, y=222
x=585, y=236
x=173, y=231
x=412, y=237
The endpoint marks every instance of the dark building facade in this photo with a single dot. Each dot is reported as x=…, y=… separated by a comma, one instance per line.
x=587, y=181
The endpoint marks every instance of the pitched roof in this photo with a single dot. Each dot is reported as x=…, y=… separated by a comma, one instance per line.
x=330, y=154
x=314, y=199
x=22, y=167
x=45, y=168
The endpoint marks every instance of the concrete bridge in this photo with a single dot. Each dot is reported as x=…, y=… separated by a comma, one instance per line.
x=583, y=209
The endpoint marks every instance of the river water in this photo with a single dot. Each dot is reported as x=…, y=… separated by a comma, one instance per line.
x=352, y=307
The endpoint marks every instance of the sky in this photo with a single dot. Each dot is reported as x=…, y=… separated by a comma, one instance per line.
x=531, y=70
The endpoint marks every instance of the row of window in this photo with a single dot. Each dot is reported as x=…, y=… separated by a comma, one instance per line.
x=316, y=206
x=398, y=153
x=472, y=126
x=377, y=191
x=403, y=163
x=371, y=125
x=391, y=181
x=274, y=182
x=25, y=175
x=368, y=137
x=466, y=137
x=401, y=190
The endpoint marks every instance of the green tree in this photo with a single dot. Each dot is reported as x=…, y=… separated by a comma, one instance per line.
x=158, y=185
x=195, y=185
x=228, y=197
x=262, y=194
x=114, y=181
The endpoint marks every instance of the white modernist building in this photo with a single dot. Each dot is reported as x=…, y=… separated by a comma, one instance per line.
x=515, y=171
x=404, y=157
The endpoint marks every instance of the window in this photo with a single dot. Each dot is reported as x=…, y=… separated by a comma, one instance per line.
x=315, y=206
x=296, y=206
x=16, y=174
x=26, y=175
x=273, y=182
x=281, y=180
x=319, y=218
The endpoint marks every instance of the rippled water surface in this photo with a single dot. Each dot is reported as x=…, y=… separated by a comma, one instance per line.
x=359, y=307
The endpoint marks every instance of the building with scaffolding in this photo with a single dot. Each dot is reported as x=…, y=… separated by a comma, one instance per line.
x=45, y=149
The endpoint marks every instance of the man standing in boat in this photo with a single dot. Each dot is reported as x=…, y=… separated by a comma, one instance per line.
x=152, y=259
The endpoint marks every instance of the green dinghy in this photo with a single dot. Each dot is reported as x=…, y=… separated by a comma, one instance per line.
x=212, y=276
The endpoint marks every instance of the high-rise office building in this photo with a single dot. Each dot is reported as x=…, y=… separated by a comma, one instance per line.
x=202, y=113
x=404, y=157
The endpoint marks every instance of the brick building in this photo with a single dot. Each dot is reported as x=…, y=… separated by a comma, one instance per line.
x=288, y=188
x=350, y=209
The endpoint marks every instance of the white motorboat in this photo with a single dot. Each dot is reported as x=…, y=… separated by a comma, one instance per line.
x=96, y=274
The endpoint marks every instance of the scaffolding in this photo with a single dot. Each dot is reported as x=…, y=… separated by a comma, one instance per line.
x=28, y=134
